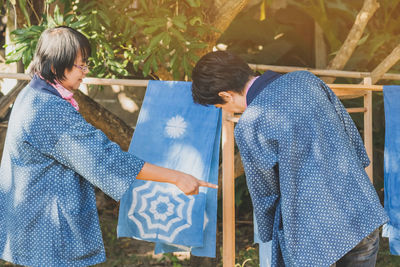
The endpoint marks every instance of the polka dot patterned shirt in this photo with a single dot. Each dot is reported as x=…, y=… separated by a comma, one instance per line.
x=304, y=161
x=51, y=162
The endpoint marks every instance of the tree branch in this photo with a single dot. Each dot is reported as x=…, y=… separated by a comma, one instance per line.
x=350, y=44
x=386, y=64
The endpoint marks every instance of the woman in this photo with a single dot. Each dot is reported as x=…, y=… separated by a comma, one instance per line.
x=52, y=160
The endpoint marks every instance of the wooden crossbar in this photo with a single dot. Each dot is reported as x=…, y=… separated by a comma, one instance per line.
x=88, y=80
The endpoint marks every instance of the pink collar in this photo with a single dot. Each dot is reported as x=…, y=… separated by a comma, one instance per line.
x=249, y=84
x=65, y=93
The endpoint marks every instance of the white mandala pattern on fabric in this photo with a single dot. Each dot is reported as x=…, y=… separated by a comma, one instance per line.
x=165, y=205
x=158, y=205
x=176, y=127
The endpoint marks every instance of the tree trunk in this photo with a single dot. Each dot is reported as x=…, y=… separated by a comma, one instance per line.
x=350, y=44
x=115, y=128
x=224, y=11
x=221, y=14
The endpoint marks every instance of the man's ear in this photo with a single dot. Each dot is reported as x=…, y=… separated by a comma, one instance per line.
x=52, y=70
x=226, y=96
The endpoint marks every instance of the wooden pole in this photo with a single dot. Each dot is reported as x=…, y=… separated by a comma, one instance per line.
x=281, y=69
x=368, y=128
x=228, y=192
x=323, y=72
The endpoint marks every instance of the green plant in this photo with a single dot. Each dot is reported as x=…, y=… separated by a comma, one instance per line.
x=172, y=258
x=382, y=35
x=248, y=257
x=241, y=191
x=127, y=37
x=243, y=264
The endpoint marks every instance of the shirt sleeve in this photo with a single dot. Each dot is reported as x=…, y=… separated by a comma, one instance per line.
x=265, y=196
x=87, y=151
x=259, y=157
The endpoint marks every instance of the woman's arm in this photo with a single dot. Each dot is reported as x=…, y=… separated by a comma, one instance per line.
x=185, y=182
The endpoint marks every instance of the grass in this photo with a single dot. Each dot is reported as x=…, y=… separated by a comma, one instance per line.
x=126, y=252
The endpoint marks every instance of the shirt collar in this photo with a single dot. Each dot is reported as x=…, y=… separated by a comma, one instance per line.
x=39, y=83
x=259, y=84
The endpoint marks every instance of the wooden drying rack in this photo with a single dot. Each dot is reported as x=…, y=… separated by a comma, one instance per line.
x=343, y=91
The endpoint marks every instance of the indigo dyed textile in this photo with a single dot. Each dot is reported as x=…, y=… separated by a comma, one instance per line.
x=304, y=161
x=392, y=166
x=52, y=160
x=175, y=133
x=264, y=248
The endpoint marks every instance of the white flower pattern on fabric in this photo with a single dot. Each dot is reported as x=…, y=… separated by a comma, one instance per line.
x=161, y=208
x=150, y=221
x=176, y=127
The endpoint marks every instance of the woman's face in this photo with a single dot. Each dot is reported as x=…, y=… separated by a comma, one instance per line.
x=74, y=76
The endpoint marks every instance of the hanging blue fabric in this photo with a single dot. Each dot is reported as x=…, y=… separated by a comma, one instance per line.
x=264, y=248
x=391, y=230
x=175, y=133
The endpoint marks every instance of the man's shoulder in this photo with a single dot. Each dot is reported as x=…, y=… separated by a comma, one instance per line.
x=300, y=74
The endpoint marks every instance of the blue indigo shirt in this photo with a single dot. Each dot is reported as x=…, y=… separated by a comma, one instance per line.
x=304, y=162
x=52, y=160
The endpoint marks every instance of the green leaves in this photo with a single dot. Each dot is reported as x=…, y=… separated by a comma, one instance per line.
x=194, y=3
x=126, y=38
x=25, y=41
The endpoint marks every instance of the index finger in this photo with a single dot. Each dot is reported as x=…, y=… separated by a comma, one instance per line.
x=206, y=184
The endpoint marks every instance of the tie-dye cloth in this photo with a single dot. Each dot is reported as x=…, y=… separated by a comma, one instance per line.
x=175, y=133
x=391, y=170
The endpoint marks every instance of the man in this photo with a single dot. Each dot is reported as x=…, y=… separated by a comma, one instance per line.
x=304, y=162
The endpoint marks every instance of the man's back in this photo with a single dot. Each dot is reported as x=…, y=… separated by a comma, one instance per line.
x=304, y=161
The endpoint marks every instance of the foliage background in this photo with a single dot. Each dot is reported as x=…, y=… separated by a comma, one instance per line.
x=129, y=38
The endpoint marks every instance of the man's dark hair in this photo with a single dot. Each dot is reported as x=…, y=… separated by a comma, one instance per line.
x=216, y=72
x=57, y=50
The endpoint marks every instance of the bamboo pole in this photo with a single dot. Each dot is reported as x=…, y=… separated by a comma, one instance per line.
x=123, y=82
x=356, y=87
x=16, y=76
x=236, y=118
x=228, y=192
x=322, y=72
x=368, y=140
x=356, y=110
x=89, y=80
x=281, y=69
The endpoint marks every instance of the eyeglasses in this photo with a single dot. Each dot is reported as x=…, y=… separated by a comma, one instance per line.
x=84, y=68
